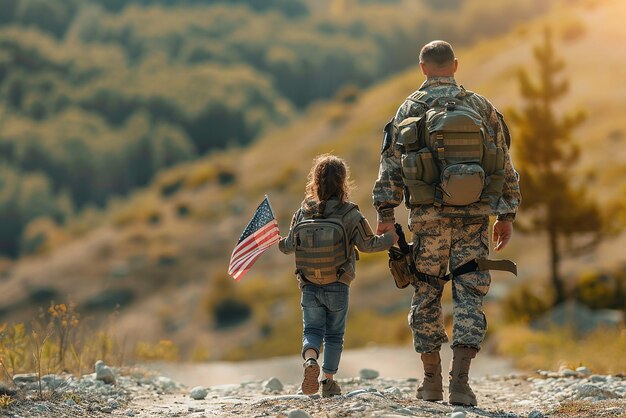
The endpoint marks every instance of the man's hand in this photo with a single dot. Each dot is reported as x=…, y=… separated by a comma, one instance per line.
x=502, y=233
x=383, y=227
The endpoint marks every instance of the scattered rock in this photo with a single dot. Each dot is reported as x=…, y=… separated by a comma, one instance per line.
x=569, y=373
x=5, y=390
x=393, y=391
x=273, y=384
x=583, y=371
x=166, y=384
x=22, y=379
x=591, y=390
x=535, y=414
x=195, y=409
x=597, y=378
x=458, y=414
x=53, y=381
x=104, y=373
x=368, y=374
x=198, y=393
x=355, y=393
x=298, y=413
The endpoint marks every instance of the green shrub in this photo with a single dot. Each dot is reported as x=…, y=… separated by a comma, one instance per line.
x=599, y=291
x=526, y=303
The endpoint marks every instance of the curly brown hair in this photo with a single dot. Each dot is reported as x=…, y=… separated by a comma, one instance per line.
x=329, y=177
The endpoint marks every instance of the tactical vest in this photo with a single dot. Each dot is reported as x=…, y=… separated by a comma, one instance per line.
x=322, y=245
x=447, y=157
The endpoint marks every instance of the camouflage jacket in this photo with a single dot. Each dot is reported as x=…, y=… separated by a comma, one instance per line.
x=389, y=188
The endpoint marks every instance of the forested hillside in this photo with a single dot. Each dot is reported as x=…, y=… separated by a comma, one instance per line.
x=97, y=96
x=161, y=255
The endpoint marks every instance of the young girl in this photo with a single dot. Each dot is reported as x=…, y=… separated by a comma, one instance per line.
x=323, y=234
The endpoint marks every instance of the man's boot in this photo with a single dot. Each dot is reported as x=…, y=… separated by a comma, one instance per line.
x=460, y=391
x=431, y=389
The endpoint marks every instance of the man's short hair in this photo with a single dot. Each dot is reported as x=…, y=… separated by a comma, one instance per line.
x=439, y=53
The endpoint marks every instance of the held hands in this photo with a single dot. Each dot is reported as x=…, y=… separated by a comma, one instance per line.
x=382, y=228
x=502, y=233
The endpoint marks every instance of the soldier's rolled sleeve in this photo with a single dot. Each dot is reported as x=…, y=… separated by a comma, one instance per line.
x=510, y=217
x=367, y=242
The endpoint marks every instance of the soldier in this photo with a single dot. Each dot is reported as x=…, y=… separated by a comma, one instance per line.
x=452, y=182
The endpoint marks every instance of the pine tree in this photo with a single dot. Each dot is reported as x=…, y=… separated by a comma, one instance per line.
x=545, y=156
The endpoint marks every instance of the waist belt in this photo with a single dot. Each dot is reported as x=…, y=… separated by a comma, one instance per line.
x=478, y=264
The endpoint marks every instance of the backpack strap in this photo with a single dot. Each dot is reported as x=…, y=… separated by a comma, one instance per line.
x=341, y=212
x=420, y=97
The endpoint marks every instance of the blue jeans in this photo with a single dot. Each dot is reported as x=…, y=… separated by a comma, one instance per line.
x=324, y=312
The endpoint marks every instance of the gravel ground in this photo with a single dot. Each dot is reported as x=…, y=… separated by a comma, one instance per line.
x=138, y=393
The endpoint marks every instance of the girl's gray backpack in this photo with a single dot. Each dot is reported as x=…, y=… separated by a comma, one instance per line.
x=322, y=245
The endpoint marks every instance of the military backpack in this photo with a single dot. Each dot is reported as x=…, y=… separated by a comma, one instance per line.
x=447, y=156
x=322, y=245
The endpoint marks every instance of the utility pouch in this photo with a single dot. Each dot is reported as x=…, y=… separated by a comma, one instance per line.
x=430, y=171
x=419, y=192
x=400, y=266
x=411, y=166
x=489, y=158
x=409, y=133
x=401, y=263
x=462, y=184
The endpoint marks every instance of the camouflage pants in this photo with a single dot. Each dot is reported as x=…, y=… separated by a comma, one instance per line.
x=437, y=244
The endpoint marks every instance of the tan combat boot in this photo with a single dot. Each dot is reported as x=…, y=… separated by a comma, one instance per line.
x=460, y=391
x=431, y=389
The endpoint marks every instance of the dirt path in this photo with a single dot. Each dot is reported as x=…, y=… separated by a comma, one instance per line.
x=391, y=362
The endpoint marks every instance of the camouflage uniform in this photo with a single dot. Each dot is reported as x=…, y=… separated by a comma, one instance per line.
x=446, y=236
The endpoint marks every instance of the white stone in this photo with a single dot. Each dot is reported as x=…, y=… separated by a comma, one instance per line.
x=273, y=384
x=298, y=413
x=198, y=393
x=583, y=370
x=458, y=414
x=166, y=383
x=368, y=374
x=104, y=373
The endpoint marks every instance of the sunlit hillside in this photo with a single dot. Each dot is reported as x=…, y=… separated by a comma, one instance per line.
x=162, y=255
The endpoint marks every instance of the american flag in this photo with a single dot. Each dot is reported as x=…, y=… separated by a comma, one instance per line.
x=260, y=234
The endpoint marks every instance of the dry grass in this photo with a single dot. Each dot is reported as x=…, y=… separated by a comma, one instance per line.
x=602, y=351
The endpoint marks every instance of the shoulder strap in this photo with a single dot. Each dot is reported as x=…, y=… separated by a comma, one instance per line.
x=420, y=97
x=344, y=209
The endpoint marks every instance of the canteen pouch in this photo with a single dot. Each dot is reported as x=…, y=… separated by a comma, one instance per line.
x=419, y=172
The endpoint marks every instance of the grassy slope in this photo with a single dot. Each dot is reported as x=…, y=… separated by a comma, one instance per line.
x=170, y=296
